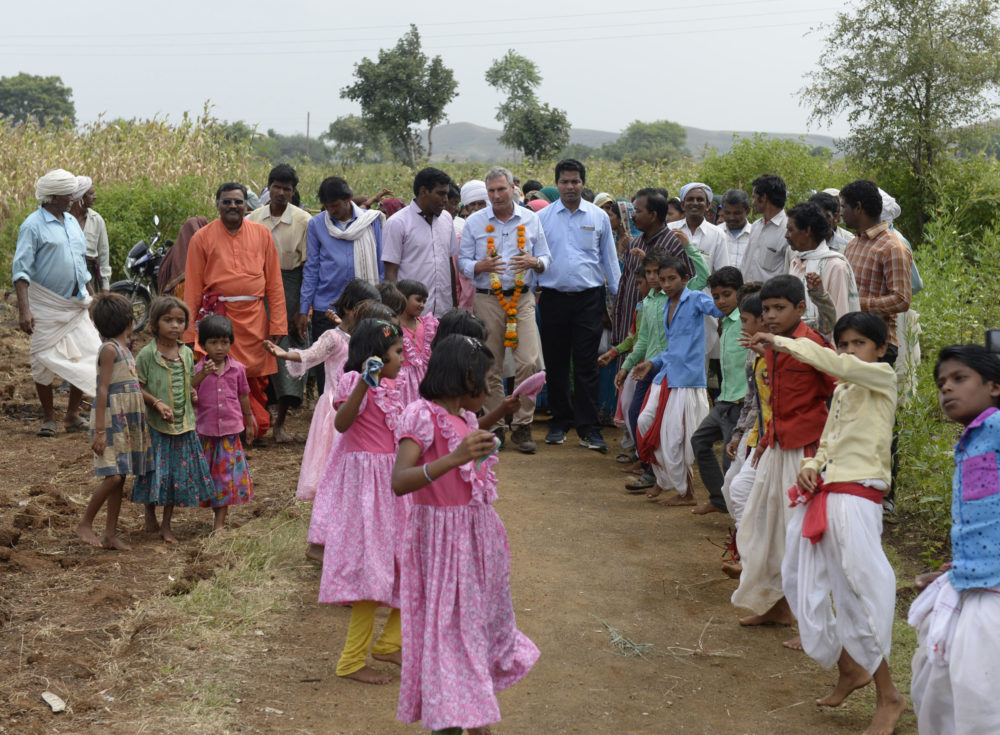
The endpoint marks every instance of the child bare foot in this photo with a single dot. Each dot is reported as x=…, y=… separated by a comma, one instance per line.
x=675, y=501
x=87, y=535
x=887, y=715
x=167, y=535
x=368, y=675
x=851, y=678
x=113, y=542
x=731, y=569
x=314, y=552
x=654, y=492
x=779, y=614
x=635, y=468
x=705, y=509
x=281, y=436
x=152, y=525
x=396, y=657
x=794, y=644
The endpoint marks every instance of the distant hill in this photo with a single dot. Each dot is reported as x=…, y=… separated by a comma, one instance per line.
x=467, y=142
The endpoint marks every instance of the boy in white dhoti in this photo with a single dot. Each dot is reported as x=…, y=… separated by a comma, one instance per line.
x=833, y=550
x=957, y=665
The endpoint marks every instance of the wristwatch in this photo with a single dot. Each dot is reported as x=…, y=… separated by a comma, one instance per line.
x=539, y=266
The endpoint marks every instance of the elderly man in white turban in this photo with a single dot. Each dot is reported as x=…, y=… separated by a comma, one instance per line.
x=50, y=276
x=472, y=198
x=96, y=232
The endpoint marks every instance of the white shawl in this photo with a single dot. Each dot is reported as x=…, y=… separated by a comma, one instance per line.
x=64, y=340
x=362, y=234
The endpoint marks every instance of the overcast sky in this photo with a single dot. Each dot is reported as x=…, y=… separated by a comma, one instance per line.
x=728, y=65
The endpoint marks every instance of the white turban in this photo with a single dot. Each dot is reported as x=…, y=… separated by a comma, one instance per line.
x=83, y=184
x=832, y=192
x=696, y=185
x=55, y=183
x=473, y=191
x=603, y=198
x=890, y=207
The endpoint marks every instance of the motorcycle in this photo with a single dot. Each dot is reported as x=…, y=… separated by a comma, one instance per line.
x=142, y=264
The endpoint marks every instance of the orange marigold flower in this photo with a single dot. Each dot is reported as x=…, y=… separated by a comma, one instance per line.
x=490, y=228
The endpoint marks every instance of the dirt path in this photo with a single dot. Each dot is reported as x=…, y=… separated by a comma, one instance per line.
x=106, y=630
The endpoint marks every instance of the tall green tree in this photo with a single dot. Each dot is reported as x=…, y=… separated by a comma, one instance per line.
x=401, y=91
x=910, y=75
x=46, y=100
x=661, y=140
x=354, y=141
x=528, y=125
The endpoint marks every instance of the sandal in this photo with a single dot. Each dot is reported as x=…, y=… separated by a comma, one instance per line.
x=624, y=458
x=47, y=430
x=79, y=424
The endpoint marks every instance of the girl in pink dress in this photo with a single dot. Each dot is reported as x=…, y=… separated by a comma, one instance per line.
x=460, y=642
x=363, y=543
x=418, y=333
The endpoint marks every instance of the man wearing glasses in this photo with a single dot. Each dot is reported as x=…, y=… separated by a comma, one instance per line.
x=233, y=268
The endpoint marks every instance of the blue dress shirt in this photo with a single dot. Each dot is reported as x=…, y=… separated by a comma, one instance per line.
x=52, y=254
x=582, y=248
x=473, y=246
x=975, y=505
x=682, y=363
x=329, y=264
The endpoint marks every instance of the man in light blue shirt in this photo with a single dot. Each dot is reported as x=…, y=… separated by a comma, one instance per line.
x=584, y=261
x=50, y=277
x=506, y=242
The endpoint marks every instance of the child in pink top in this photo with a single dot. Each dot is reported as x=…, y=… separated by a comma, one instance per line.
x=460, y=641
x=221, y=413
x=363, y=543
x=418, y=333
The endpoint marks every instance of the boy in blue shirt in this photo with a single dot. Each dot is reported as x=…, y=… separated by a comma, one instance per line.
x=677, y=401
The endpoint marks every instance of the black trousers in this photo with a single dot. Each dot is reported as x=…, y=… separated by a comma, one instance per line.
x=718, y=425
x=570, y=327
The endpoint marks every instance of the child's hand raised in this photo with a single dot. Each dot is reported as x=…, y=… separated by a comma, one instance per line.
x=605, y=359
x=814, y=282
x=331, y=316
x=273, y=349
x=511, y=404
x=476, y=444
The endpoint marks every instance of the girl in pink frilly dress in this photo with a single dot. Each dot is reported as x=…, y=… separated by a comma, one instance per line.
x=460, y=642
x=362, y=549
x=418, y=333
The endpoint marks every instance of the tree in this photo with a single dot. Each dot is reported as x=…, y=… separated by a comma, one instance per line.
x=44, y=99
x=354, y=142
x=910, y=74
x=661, y=140
x=529, y=126
x=401, y=90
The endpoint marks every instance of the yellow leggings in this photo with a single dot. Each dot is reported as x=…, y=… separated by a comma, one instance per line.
x=359, y=637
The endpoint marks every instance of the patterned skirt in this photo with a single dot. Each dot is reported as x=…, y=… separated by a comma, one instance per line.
x=230, y=473
x=179, y=474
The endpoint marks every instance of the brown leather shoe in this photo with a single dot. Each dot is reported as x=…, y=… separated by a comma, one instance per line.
x=520, y=437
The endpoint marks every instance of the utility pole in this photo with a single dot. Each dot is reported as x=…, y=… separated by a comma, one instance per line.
x=307, y=135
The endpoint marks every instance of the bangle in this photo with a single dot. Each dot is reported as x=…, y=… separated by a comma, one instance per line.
x=427, y=474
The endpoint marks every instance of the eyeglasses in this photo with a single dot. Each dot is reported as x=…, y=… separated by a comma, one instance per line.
x=232, y=202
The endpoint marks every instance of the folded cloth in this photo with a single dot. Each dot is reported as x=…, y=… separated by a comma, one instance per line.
x=814, y=523
x=64, y=341
x=943, y=603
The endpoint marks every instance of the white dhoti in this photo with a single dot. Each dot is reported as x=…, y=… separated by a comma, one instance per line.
x=64, y=343
x=846, y=571
x=685, y=410
x=957, y=664
x=624, y=401
x=739, y=481
x=761, y=535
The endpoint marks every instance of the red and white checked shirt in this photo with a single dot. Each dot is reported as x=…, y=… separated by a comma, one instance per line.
x=881, y=264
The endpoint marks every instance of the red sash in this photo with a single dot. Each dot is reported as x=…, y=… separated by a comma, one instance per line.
x=647, y=444
x=814, y=524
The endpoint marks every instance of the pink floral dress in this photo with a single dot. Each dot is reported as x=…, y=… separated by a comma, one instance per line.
x=330, y=350
x=366, y=522
x=416, y=354
x=460, y=641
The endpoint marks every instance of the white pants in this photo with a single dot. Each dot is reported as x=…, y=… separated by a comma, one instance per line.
x=739, y=481
x=958, y=694
x=624, y=401
x=846, y=570
x=685, y=410
x=761, y=535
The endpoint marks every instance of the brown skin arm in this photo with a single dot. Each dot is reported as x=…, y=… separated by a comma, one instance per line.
x=249, y=422
x=509, y=405
x=391, y=271
x=348, y=410
x=24, y=317
x=105, y=364
x=408, y=476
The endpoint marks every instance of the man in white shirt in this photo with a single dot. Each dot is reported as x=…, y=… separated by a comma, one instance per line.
x=696, y=199
x=736, y=228
x=766, y=253
x=829, y=201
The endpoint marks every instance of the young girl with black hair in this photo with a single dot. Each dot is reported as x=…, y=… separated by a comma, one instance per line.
x=418, y=334
x=362, y=548
x=119, y=434
x=958, y=615
x=835, y=575
x=459, y=321
x=461, y=644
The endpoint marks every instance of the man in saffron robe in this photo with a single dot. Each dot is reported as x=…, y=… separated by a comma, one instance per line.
x=235, y=263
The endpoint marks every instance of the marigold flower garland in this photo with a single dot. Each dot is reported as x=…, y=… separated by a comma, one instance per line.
x=509, y=306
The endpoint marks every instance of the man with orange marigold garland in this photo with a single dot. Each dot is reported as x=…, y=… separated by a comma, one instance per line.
x=502, y=249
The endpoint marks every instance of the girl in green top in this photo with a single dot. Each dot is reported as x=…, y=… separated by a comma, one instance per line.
x=180, y=474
